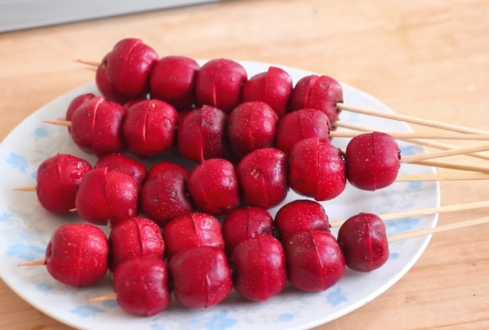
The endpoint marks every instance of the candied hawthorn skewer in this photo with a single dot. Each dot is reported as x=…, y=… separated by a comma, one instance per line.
x=252, y=125
x=245, y=223
x=141, y=287
x=191, y=231
x=105, y=196
x=174, y=80
x=262, y=175
x=220, y=83
x=427, y=143
x=365, y=244
x=75, y=104
x=202, y=134
x=213, y=186
x=164, y=195
x=259, y=268
x=124, y=164
x=58, y=180
x=273, y=87
x=76, y=255
x=149, y=127
x=135, y=237
x=299, y=216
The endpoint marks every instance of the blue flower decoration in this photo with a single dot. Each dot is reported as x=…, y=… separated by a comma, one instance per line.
x=110, y=303
x=26, y=252
x=156, y=326
x=337, y=297
x=86, y=311
x=287, y=317
x=414, y=185
x=193, y=320
x=4, y=217
x=17, y=161
x=41, y=132
x=408, y=151
x=403, y=224
x=220, y=321
x=394, y=255
x=44, y=287
x=34, y=174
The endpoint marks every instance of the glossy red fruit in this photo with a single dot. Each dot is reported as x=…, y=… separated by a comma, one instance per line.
x=244, y=223
x=106, y=88
x=259, y=268
x=165, y=166
x=75, y=104
x=58, y=178
x=262, y=175
x=299, y=216
x=164, y=196
x=129, y=65
x=96, y=127
x=213, y=186
x=135, y=237
x=273, y=87
x=317, y=169
x=314, y=261
x=174, y=80
x=373, y=161
x=300, y=125
x=202, y=134
x=77, y=254
x=105, y=196
x=127, y=105
x=201, y=277
x=191, y=231
x=141, y=285
x=124, y=164
x=220, y=84
x=318, y=92
x=149, y=128
x=363, y=240
x=252, y=125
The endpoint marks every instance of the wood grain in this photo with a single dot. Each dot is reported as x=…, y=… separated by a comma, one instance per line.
x=421, y=58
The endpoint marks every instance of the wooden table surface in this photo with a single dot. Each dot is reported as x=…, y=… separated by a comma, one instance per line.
x=428, y=59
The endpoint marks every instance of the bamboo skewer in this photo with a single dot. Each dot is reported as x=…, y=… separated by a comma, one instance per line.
x=108, y=296
x=432, y=144
x=459, y=167
x=26, y=189
x=475, y=137
x=438, y=229
x=90, y=63
x=40, y=262
x=428, y=211
x=441, y=177
x=441, y=154
x=416, y=135
x=410, y=119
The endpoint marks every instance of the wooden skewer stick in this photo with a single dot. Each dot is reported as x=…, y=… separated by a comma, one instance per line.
x=438, y=229
x=417, y=135
x=26, y=189
x=409, y=119
x=59, y=122
x=427, y=143
x=428, y=211
x=91, y=63
x=452, y=166
x=40, y=262
x=441, y=177
x=108, y=296
x=446, y=153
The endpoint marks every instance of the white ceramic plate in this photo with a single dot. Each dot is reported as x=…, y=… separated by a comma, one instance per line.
x=25, y=229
